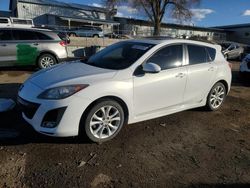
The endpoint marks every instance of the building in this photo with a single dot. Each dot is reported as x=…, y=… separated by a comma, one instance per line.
x=55, y=13
x=5, y=13
x=238, y=33
x=130, y=26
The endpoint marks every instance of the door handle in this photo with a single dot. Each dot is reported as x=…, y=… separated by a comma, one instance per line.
x=35, y=44
x=211, y=69
x=3, y=45
x=180, y=75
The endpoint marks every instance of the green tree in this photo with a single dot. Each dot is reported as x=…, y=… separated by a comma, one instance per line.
x=157, y=9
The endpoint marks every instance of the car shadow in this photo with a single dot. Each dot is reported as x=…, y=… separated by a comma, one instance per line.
x=238, y=80
x=219, y=185
x=25, y=68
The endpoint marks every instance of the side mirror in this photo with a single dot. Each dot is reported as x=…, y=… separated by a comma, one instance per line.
x=151, y=68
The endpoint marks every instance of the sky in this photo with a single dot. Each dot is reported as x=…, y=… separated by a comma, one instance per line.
x=208, y=13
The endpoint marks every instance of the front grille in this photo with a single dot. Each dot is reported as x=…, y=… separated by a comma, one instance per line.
x=28, y=108
x=248, y=65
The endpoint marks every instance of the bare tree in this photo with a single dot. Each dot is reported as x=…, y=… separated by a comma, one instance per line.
x=157, y=9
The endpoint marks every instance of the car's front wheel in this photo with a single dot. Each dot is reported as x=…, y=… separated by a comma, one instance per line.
x=46, y=60
x=216, y=96
x=104, y=121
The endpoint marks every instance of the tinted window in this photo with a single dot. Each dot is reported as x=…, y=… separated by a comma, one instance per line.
x=19, y=21
x=119, y=56
x=42, y=36
x=24, y=35
x=5, y=35
x=168, y=57
x=4, y=21
x=211, y=53
x=197, y=54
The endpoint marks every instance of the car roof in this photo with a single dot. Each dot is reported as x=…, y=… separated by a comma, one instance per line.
x=171, y=40
x=30, y=29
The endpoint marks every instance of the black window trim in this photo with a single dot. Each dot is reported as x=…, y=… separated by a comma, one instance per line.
x=187, y=54
x=165, y=46
x=35, y=33
x=11, y=33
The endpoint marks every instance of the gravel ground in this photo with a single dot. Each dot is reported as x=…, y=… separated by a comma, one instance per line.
x=193, y=148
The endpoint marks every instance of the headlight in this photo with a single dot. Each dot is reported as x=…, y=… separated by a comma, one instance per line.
x=61, y=92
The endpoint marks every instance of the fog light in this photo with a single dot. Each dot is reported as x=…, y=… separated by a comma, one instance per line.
x=53, y=117
x=49, y=124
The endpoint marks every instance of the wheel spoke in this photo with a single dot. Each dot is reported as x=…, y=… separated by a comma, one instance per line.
x=97, y=130
x=112, y=126
x=116, y=119
x=97, y=117
x=95, y=123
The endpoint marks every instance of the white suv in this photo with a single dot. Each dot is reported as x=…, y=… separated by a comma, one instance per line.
x=128, y=82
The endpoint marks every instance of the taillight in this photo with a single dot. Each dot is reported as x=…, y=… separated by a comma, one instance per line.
x=63, y=43
x=230, y=65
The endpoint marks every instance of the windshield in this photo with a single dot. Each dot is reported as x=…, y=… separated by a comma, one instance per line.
x=120, y=55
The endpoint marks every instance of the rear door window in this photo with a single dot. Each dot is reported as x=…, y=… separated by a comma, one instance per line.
x=197, y=54
x=24, y=35
x=5, y=35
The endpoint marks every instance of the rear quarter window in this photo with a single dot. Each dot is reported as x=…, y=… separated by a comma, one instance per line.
x=211, y=53
x=42, y=36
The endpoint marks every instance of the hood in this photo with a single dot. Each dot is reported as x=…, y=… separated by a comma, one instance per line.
x=70, y=73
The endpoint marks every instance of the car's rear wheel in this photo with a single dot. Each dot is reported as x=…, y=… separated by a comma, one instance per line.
x=72, y=35
x=96, y=36
x=216, y=96
x=104, y=121
x=46, y=60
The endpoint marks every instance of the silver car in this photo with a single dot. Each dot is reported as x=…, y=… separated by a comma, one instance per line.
x=232, y=50
x=29, y=46
x=86, y=31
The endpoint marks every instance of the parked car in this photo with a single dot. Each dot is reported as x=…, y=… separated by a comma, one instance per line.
x=127, y=82
x=16, y=22
x=245, y=67
x=21, y=47
x=86, y=31
x=232, y=50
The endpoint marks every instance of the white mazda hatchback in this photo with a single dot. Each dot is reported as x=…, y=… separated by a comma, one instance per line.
x=128, y=82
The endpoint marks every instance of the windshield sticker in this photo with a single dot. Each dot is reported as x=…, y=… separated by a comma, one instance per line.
x=139, y=47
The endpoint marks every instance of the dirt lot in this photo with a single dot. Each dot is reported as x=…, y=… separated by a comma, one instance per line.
x=194, y=148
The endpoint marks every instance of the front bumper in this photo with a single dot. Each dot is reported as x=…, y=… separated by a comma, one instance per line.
x=35, y=112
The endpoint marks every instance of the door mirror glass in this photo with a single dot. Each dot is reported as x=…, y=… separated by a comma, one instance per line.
x=151, y=68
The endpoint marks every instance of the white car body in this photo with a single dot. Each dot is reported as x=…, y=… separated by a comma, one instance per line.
x=146, y=97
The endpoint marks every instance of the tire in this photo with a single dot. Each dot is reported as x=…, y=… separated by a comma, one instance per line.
x=216, y=97
x=72, y=35
x=95, y=36
x=46, y=61
x=103, y=128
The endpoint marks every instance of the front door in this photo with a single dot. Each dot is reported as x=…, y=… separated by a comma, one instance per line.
x=158, y=92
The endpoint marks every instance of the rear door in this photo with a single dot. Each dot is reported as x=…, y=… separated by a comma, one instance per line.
x=27, y=49
x=7, y=48
x=201, y=70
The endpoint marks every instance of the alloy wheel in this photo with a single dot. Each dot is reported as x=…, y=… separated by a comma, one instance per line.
x=105, y=122
x=217, y=96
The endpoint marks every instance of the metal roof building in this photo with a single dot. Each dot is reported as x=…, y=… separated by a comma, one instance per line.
x=52, y=12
